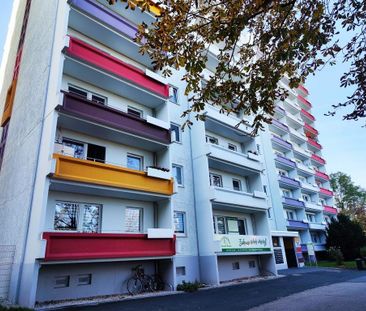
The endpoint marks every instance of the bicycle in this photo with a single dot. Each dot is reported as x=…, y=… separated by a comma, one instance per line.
x=139, y=282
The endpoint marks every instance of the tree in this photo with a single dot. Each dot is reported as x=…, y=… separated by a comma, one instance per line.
x=351, y=199
x=346, y=234
x=257, y=43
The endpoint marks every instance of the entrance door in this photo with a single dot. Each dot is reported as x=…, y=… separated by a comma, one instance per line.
x=290, y=252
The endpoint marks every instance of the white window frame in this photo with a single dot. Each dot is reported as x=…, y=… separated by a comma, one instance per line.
x=212, y=180
x=134, y=109
x=212, y=140
x=289, y=213
x=174, y=94
x=136, y=156
x=89, y=94
x=180, y=167
x=184, y=215
x=310, y=217
x=306, y=197
x=286, y=191
x=239, y=183
x=234, y=147
x=174, y=136
x=282, y=172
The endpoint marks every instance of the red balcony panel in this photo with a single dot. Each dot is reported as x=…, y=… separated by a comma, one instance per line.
x=83, y=51
x=314, y=143
x=321, y=175
x=304, y=101
x=303, y=89
x=307, y=115
x=310, y=131
x=326, y=192
x=330, y=209
x=318, y=159
x=77, y=246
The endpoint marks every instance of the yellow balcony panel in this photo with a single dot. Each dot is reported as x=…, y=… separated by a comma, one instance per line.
x=79, y=170
x=8, y=107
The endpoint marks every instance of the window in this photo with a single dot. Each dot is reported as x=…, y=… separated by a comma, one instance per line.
x=178, y=174
x=78, y=91
x=134, y=162
x=84, y=279
x=232, y=147
x=229, y=225
x=265, y=189
x=175, y=132
x=237, y=184
x=135, y=112
x=173, y=94
x=290, y=215
x=258, y=149
x=302, y=179
x=62, y=281
x=251, y=264
x=133, y=219
x=96, y=153
x=79, y=148
x=212, y=140
x=236, y=265
x=322, y=202
x=306, y=198
x=281, y=154
x=219, y=225
x=215, y=180
x=269, y=214
x=282, y=172
x=286, y=193
x=72, y=216
x=310, y=217
x=96, y=98
x=180, y=271
x=179, y=222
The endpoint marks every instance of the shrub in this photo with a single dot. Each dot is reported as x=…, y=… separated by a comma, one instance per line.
x=189, y=287
x=335, y=253
x=363, y=251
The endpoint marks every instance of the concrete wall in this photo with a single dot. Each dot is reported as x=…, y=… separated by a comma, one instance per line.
x=227, y=273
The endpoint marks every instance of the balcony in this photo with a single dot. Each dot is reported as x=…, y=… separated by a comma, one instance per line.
x=253, y=244
x=321, y=175
x=305, y=169
x=234, y=162
x=311, y=206
x=294, y=121
x=278, y=127
x=297, y=225
x=84, y=176
x=306, y=105
x=303, y=90
x=292, y=202
x=281, y=144
x=107, y=27
x=326, y=192
x=297, y=136
x=228, y=199
x=288, y=182
x=307, y=116
x=279, y=112
x=87, y=117
x=310, y=131
x=284, y=162
x=98, y=68
x=317, y=159
x=316, y=226
x=330, y=210
x=309, y=187
x=314, y=144
x=61, y=246
x=304, y=153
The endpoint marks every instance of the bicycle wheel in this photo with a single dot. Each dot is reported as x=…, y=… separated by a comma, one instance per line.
x=158, y=283
x=134, y=286
x=147, y=283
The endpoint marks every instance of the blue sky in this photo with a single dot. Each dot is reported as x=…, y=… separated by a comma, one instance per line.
x=344, y=142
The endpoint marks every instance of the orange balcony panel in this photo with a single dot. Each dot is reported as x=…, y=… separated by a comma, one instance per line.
x=83, y=246
x=9, y=102
x=79, y=170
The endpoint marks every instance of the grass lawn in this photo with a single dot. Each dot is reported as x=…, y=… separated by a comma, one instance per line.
x=332, y=264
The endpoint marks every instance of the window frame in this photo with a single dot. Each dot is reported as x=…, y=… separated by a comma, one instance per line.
x=176, y=129
x=136, y=156
x=184, y=223
x=141, y=219
x=215, y=140
x=239, y=183
x=234, y=147
x=211, y=175
x=140, y=112
x=180, y=167
x=174, y=93
x=89, y=94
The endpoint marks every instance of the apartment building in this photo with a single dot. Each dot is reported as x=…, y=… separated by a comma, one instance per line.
x=97, y=177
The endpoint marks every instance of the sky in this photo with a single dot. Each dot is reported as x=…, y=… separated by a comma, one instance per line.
x=344, y=142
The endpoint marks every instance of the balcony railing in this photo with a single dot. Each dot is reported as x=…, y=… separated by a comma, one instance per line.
x=133, y=127
x=326, y=192
x=297, y=224
x=310, y=187
x=94, y=66
x=279, y=125
x=303, y=89
x=330, y=210
x=281, y=142
x=304, y=102
x=292, y=202
x=313, y=206
x=313, y=143
x=301, y=150
x=308, y=115
x=289, y=181
x=318, y=159
x=85, y=171
x=285, y=161
x=305, y=168
x=234, y=243
x=321, y=175
x=310, y=131
x=61, y=246
x=316, y=226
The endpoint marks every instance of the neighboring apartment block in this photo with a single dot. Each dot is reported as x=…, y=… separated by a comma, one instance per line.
x=97, y=177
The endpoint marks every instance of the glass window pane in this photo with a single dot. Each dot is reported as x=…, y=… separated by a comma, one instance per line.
x=133, y=219
x=66, y=216
x=78, y=91
x=178, y=176
x=232, y=225
x=179, y=225
x=175, y=132
x=220, y=221
x=134, y=162
x=79, y=149
x=91, y=218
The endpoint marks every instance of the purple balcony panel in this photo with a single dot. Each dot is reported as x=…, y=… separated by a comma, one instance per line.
x=106, y=16
x=280, y=125
x=280, y=110
x=281, y=142
x=289, y=181
x=296, y=224
x=285, y=161
x=292, y=202
x=86, y=109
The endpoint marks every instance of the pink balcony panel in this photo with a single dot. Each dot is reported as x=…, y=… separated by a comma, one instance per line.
x=318, y=159
x=321, y=175
x=85, y=52
x=330, y=210
x=314, y=143
x=78, y=246
x=326, y=192
x=310, y=131
x=303, y=89
x=304, y=101
x=307, y=115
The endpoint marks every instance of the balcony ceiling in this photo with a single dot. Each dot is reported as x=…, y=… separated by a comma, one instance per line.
x=233, y=168
x=236, y=208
